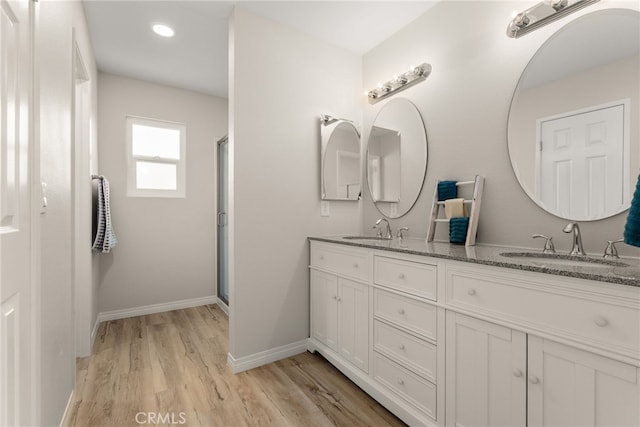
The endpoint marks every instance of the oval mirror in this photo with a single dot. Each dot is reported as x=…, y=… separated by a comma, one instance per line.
x=573, y=123
x=340, y=168
x=396, y=158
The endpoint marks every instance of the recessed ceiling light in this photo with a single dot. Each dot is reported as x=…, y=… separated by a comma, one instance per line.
x=163, y=30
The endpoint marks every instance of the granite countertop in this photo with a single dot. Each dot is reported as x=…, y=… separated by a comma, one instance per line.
x=626, y=272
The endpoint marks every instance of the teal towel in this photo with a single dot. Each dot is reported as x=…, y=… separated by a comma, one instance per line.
x=458, y=229
x=447, y=190
x=632, y=227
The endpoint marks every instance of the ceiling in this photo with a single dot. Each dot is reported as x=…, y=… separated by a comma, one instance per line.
x=196, y=58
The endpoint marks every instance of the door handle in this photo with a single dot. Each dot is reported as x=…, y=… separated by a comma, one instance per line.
x=222, y=219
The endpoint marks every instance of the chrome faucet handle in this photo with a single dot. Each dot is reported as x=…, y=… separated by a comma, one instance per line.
x=379, y=233
x=611, y=252
x=549, y=248
x=400, y=230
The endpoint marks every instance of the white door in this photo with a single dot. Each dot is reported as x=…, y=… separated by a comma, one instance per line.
x=15, y=149
x=353, y=312
x=581, y=169
x=485, y=373
x=571, y=387
x=324, y=308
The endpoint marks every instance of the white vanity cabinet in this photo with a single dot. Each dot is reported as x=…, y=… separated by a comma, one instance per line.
x=445, y=342
x=576, y=364
x=374, y=316
x=569, y=386
x=406, y=330
x=340, y=316
x=485, y=374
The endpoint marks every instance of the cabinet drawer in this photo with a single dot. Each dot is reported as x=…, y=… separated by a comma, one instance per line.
x=552, y=308
x=415, y=390
x=414, y=353
x=417, y=316
x=344, y=261
x=416, y=278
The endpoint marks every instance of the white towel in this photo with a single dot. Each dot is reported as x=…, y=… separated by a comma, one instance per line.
x=455, y=208
x=105, y=236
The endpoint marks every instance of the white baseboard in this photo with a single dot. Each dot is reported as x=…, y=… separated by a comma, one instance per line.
x=67, y=411
x=155, y=308
x=264, y=357
x=224, y=307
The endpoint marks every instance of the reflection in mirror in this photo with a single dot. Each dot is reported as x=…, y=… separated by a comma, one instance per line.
x=384, y=158
x=573, y=123
x=396, y=158
x=340, y=169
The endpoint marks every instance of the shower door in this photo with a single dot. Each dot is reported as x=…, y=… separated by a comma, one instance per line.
x=223, y=231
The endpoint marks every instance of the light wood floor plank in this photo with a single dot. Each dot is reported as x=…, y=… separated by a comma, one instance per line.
x=174, y=365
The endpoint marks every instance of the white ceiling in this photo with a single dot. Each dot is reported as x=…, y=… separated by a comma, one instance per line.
x=196, y=58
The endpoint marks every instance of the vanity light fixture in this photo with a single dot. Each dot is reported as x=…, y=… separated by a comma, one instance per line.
x=398, y=83
x=163, y=30
x=543, y=13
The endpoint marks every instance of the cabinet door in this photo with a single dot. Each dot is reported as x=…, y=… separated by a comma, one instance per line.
x=485, y=373
x=324, y=308
x=572, y=387
x=353, y=307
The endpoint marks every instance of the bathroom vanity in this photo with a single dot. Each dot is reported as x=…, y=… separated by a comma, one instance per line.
x=452, y=335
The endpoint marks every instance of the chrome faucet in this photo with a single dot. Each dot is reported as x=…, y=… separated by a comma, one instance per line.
x=377, y=226
x=577, y=248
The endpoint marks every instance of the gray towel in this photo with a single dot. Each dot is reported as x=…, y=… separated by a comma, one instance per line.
x=105, y=237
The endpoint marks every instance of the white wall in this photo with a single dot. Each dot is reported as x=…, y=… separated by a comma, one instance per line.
x=465, y=105
x=56, y=22
x=166, y=249
x=281, y=81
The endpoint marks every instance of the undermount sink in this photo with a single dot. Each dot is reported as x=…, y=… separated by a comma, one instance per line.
x=545, y=260
x=380, y=239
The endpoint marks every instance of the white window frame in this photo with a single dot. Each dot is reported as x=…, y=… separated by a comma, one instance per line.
x=132, y=190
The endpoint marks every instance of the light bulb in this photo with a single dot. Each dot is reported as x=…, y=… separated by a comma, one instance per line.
x=163, y=30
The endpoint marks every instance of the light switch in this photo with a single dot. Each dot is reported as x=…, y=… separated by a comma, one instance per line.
x=324, y=208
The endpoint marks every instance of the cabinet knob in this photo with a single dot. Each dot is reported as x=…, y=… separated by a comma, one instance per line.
x=471, y=292
x=601, y=321
x=401, y=276
x=401, y=346
x=533, y=379
x=517, y=373
x=321, y=257
x=400, y=382
x=355, y=265
x=401, y=311
x=335, y=297
x=339, y=299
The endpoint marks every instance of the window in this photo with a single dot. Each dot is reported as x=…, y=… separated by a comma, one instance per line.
x=156, y=158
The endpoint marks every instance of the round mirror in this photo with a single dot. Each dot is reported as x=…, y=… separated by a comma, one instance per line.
x=573, y=123
x=396, y=158
x=340, y=161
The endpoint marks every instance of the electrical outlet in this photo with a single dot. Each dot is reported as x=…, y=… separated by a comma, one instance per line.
x=324, y=208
